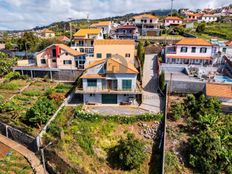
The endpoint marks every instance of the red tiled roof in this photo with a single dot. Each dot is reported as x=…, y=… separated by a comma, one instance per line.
x=172, y=56
x=173, y=18
x=229, y=43
x=194, y=41
x=219, y=90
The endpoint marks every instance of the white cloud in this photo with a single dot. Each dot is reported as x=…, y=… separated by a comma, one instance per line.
x=25, y=14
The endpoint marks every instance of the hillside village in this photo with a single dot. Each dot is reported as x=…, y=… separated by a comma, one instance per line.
x=141, y=93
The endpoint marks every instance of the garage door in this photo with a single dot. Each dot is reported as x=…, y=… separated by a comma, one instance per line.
x=109, y=99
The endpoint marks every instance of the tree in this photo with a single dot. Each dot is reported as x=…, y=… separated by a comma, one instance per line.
x=40, y=112
x=27, y=42
x=141, y=53
x=128, y=154
x=162, y=81
x=201, y=27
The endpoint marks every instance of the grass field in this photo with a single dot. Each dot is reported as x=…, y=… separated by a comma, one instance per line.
x=12, y=162
x=85, y=143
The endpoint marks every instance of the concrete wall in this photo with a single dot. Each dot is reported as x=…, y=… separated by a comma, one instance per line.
x=170, y=22
x=18, y=136
x=187, y=87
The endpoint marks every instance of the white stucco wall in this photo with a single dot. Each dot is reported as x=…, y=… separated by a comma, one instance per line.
x=197, y=53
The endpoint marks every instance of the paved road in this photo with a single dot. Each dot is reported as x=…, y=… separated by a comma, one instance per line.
x=29, y=155
x=150, y=97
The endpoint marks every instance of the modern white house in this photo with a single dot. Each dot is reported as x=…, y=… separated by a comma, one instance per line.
x=172, y=20
x=208, y=18
x=110, y=81
x=104, y=25
x=189, y=51
x=84, y=40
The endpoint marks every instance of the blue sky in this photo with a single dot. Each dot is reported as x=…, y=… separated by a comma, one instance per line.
x=26, y=14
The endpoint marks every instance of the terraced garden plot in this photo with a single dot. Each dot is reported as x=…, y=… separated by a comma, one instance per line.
x=12, y=162
x=85, y=143
x=8, y=89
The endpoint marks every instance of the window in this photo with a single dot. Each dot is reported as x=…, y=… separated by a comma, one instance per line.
x=53, y=52
x=184, y=49
x=224, y=50
x=193, y=49
x=66, y=53
x=203, y=50
x=150, y=20
x=43, y=61
x=92, y=95
x=67, y=62
x=108, y=55
x=126, y=84
x=92, y=82
x=54, y=60
x=99, y=55
x=127, y=55
x=82, y=50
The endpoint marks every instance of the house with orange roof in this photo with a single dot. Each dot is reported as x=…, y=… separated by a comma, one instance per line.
x=147, y=24
x=109, y=47
x=221, y=91
x=189, y=51
x=63, y=39
x=104, y=25
x=110, y=81
x=47, y=33
x=57, y=61
x=84, y=40
x=172, y=20
x=193, y=17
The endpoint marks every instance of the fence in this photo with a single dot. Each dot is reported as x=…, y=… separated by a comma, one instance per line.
x=18, y=136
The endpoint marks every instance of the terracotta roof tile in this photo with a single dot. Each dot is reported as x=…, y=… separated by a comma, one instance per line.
x=173, y=18
x=70, y=50
x=90, y=31
x=194, y=41
x=173, y=56
x=92, y=76
x=150, y=16
x=47, y=31
x=219, y=90
x=114, y=42
x=101, y=23
x=229, y=43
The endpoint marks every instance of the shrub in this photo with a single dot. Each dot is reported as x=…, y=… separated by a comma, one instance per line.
x=128, y=154
x=40, y=112
x=9, y=86
x=177, y=111
x=15, y=75
x=162, y=81
x=58, y=97
x=32, y=93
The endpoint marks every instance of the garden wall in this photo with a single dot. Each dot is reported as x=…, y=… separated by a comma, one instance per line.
x=18, y=136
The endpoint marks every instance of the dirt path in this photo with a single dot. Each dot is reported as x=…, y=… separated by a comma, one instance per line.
x=29, y=155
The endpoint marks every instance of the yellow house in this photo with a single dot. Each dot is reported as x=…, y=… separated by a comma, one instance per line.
x=107, y=48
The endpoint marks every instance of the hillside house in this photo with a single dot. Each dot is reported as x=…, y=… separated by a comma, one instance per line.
x=189, y=51
x=172, y=21
x=208, y=18
x=148, y=24
x=104, y=25
x=57, y=61
x=110, y=81
x=84, y=40
x=125, y=31
x=107, y=48
x=47, y=33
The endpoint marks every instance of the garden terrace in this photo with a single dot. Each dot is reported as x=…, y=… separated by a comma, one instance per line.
x=14, y=110
x=84, y=139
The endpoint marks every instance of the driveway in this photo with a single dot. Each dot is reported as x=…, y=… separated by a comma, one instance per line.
x=150, y=97
x=115, y=110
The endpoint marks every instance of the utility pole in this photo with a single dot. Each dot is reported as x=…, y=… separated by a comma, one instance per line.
x=70, y=27
x=171, y=6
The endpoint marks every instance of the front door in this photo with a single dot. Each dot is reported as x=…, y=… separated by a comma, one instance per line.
x=109, y=99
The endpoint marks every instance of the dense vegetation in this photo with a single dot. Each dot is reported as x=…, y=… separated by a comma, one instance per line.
x=209, y=146
x=128, y=154
x=6, y=63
